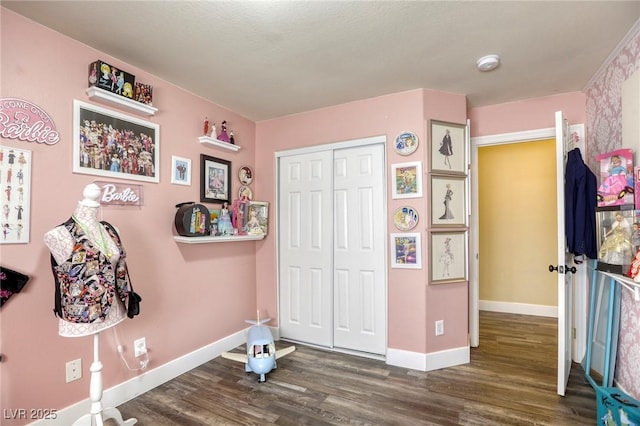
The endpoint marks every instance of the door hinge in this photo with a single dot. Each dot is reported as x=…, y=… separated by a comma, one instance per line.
x=573, y=333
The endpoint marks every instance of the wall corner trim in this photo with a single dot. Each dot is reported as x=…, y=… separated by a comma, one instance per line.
x=430, y=361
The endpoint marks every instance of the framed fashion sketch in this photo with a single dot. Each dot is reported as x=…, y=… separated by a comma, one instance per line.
x=15, y=175
x=215, y=180
x=180, y=170
x=406, y=250
x=448, y=201
x=448, y=257
x=407, y=180
x=111, y=144
x=447, y=147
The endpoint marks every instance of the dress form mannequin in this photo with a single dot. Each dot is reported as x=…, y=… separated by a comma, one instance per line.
x=61, y=243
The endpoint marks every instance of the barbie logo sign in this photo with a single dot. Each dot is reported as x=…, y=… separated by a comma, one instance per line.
x=119, y=194
x=22, y=120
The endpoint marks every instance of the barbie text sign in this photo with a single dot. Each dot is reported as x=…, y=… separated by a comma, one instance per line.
x=120, y=194
x=25, y=121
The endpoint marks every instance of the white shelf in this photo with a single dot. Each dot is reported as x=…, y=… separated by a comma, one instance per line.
x=627, y=283
x=101, y=95
x=208, y=140
x=221, y=239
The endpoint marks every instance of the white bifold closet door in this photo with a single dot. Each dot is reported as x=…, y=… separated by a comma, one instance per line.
x=332, y=256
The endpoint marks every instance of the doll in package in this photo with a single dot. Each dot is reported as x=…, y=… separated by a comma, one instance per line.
x=616, y=178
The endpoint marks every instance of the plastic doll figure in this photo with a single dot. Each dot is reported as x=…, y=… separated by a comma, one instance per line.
x=253, y=224
x=616, y=248
x=205, y=128
x=223, y=136
x=446, y=148
x=619, y=222
x=224, y=222
x=214, y=133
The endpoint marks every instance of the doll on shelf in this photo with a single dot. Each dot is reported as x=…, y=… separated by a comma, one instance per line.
x=224, y=221
x=205, y=126
x=253, y=224
x=223, y=136
x=616, y=248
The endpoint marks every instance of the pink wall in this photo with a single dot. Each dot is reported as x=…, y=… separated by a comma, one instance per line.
x=529, y=114
x=412, y=304
x=604, y=134
x=192, y=295
x=196, y=294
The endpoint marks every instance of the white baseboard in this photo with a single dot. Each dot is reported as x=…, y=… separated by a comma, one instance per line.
x=519, y=308
x=138, y=385
x=430, y=361
x=128, y=390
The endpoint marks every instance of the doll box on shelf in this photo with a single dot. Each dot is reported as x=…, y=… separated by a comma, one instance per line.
x=144, y=93
x=615, y=178
x=618, y=238
x=111, y=79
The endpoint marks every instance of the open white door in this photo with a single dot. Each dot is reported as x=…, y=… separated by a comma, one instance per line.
x=567, y=303
x=564, y=276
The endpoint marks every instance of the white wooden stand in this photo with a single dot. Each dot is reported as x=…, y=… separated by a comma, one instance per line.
x=98, y=415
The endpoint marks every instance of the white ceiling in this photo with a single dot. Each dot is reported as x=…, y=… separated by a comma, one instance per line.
x=267, y=59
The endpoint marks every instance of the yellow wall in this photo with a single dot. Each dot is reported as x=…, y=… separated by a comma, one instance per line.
x=517, y=209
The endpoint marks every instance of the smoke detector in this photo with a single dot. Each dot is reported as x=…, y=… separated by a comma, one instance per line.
x=488, y=63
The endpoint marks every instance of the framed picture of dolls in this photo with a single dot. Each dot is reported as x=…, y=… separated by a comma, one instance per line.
x=15, y=175
x=215, y=180
x=112, y=144
x=180, y=171
x=406, y=250
x=407, y=180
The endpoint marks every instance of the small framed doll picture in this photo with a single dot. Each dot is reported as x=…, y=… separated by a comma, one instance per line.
x=406, y=250
x=407, y=180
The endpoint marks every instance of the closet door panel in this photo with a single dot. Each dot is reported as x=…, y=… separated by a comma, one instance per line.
x=305, y=248
x=359, y=249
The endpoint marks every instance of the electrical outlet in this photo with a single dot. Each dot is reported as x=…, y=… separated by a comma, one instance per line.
x=140, y=347
x=74, y=370
x=439, y=327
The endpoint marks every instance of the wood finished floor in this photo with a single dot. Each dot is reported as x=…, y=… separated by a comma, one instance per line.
x=511, y=380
